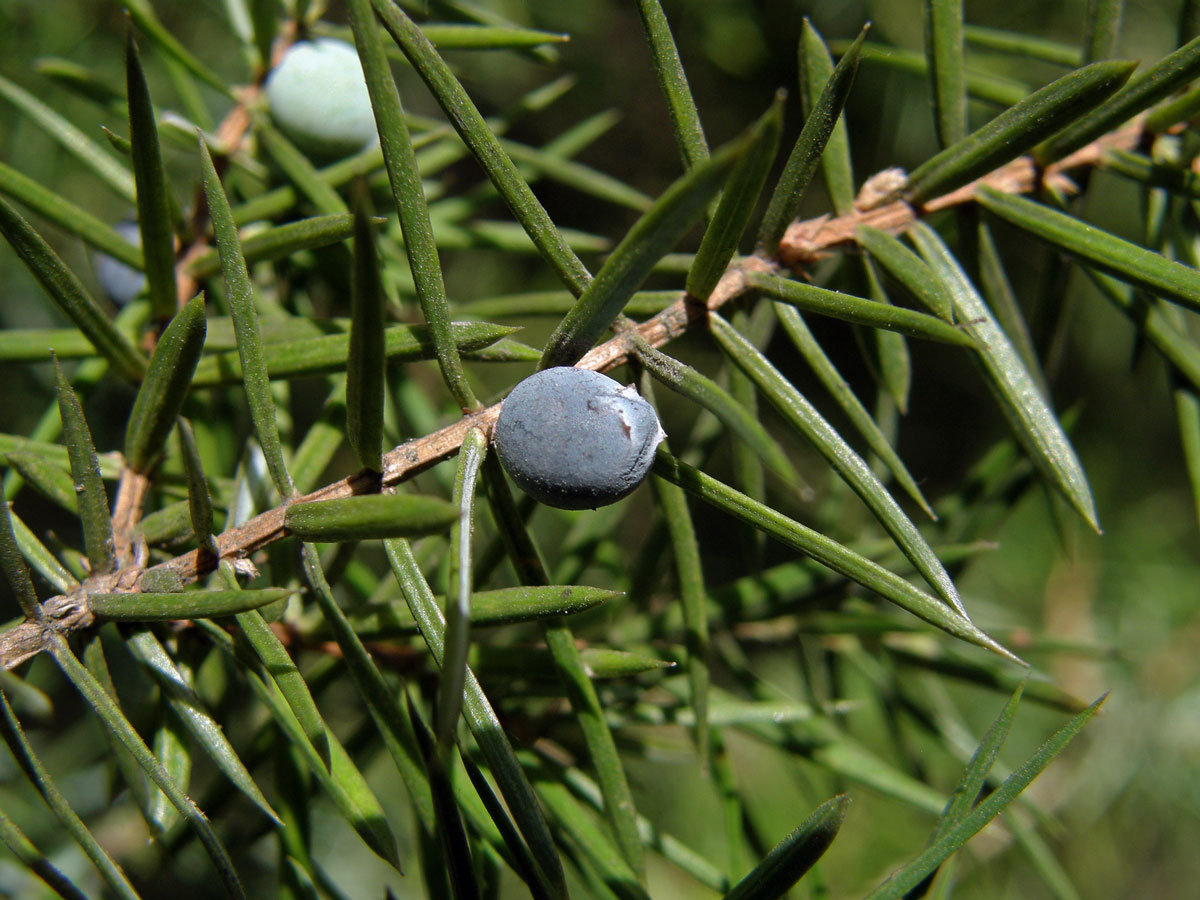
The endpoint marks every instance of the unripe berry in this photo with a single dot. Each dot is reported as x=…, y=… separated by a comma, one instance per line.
x=121, y=282
x=318, y=98
x=576, y=439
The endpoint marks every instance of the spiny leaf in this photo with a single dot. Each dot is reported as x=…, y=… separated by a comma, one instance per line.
x=975, y=774
x=64, y=288
x=183, y=702
x=47, y=478
x=149, y=606
x=366, y=364
x=476, y=134
x=245, y=321
x=85, y=472
x=279, y=241
x=1095, y=247
x=605, y=662
x=649, y=240
x=909, y=269
x=1003, y=92
x=492, y=34
x=901, y=882
x=794, y=855
x=459, y=587
x=1023, y=45
x=689, y=572
x=299, y=171
x=165, y=386
x=672, y=81
x=1159, y=81
x=872, y=313
x=730, y=712
x=1031, y=418
x=78, y=144
x=114, y=720
x=518, y=604
x=852, y=468
x=619, y=807
x=826, y=551
x=596, y=845
x=318, y=356
x=392, y=719
x=16, y=573
x=481, y=719
x=121, y=144
x=143, y=16
x=200, y=510
x=33, y=859
x=816, y=68
x=709, y=395
x=369, y=517
x=806, y=154
x=153, y=203
x=1017, y=129
x=1103, y=25
x=409, y=195
x=944, y=50
x=738, y=200
x=825, y=370
x=505, y=350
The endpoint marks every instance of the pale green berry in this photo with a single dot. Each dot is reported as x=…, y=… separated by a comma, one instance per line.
x=318, y=97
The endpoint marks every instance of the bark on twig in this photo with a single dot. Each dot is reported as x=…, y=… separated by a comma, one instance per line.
x=127, y=515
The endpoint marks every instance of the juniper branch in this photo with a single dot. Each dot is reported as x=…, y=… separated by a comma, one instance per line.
x=804, y=243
